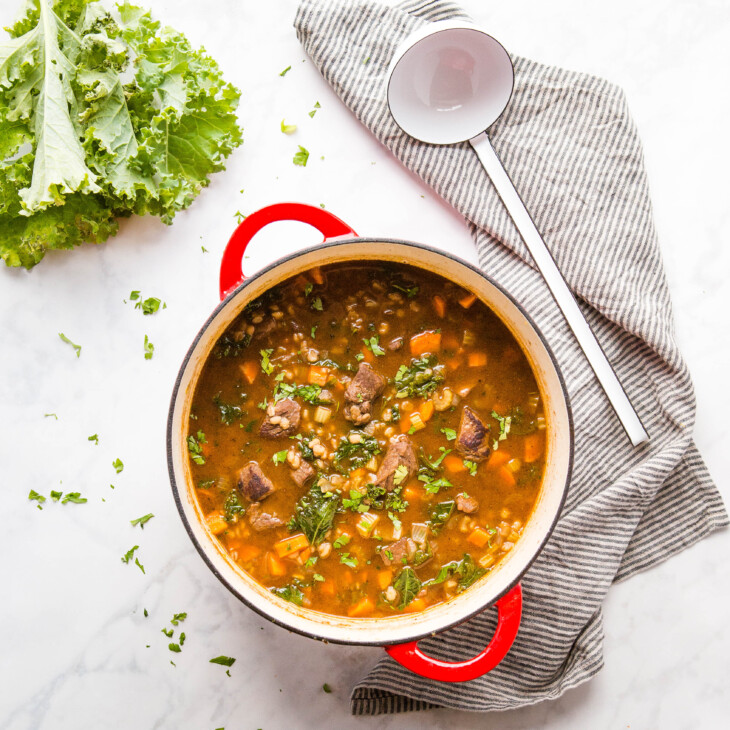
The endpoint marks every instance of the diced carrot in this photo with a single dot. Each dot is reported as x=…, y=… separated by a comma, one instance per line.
x=425, y=342
x=476, y=359
x=250, y=370
x=205, y=449
x=357, y=474
x=453, y=464
x=362, y=576
x=385, y=578
x=506, y=476
x=498, y=458
x=346, y=579
x=316, y=274
x=417, y=604
x=454, y=363
x=216, y=522
x=439, y=304
x=248, y=552
x=479, y=537
x=363, y=607
x=339, y=384
x=327, y=588
x=533, y=447
x=275, y=566
x=468, y=300
x=410, y=493
x=318, y=375
x=305, y=554
x=426, y=410
x=405, y=421
x=291, y=545
x=367, y=355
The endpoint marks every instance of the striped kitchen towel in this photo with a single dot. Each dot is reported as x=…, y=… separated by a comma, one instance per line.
x=571, y=148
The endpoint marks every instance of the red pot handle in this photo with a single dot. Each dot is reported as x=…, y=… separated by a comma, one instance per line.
x=327, y=224
x=509, y=609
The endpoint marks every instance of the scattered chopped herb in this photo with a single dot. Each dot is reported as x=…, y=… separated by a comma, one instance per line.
x=471, y=466
x=284, y=72
x=149, y=305
x=311, y=562
x=341, y=541
x=139, y=565
x=48, y=415
x=228, y=411
x=279, y=457
x=317, y=304
x=314, y=513
x=169, y=633
x=118, y=465
x=195, y=448
x=319, y=578
x=359, y=356
x=266, y=365
x=327, y=688
x=240, y=217
x=145, y=612
x=174, y=647
x=142, y=521
x=309, y=393
x=308, y=288
x=289, y=593
x=410, y=291
x=349, y=456
x=439, y=515
x=94, y=438
x=76, y=347
x=74, y=497
x=355, y=502
x=33, y=495
x=520, y=423
x=466, y=570
x=407, y=584
x=301, y=157
x=55, y=496
x=313, y=331
x=505, y=422
x=149, y=348
x=231, y=345
x=182, y=638
x=420, y=378
x=233, y=509
x=349, y=560
x=178, y=617
x=373, y=346
x=400, y=474
x=204, y=249
x=314, y=111
x=249, y=426
x=449, y=433
x=288, y=128
x=225, y=661
x=129, y=554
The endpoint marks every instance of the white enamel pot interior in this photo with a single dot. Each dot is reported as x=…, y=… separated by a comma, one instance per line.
x=404, y=628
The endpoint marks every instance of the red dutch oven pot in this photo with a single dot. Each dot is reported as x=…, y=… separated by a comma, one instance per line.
x=499, y=588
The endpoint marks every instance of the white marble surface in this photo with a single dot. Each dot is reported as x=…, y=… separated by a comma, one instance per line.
x=73, y=636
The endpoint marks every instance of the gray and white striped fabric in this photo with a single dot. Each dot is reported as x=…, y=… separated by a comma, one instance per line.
x=571, y=148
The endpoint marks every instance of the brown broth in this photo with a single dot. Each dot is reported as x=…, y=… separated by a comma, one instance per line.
x=363, y=302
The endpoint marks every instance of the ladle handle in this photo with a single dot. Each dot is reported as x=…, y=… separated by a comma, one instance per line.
x=560, y=291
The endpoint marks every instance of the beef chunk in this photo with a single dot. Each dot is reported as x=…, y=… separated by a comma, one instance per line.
x=261, y=521
x=363, y=389
x=253, y=483
x=395, y=344
x=282, y=419
x=465, y=503
x=303, y=474
x=399, y=453
x=399, y=553
x=264, y=329
x=473, y=438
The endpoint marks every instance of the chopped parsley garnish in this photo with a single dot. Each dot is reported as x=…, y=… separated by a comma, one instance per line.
x=266, y=365
x=178, y=617
x=139, y=565
x=94, y=438
x=129, y=554
x=341, y=541
x=314, y=111
x=149, y=305
x=313, y=331
x=225, y=661
x=420, y=378
x=231, y=345
x=279, y=457
x=33, y=495
x=142, y=521
x=195, y=448
x=308, y=288
x=355, y=502
x=149, y=348
x=428, y=470
x=289, y=593
x=471, y=466
x=359, y=357
x=169, y=633
x=228, y=411
x=233, y=509
x=407, y=584
x=55, y=496
x=349, y=560
x=284, y=72
x=74, y=497
x=309, y=393
x=317, y=304
x=373, y=346
x=174, y=647
x=439, y=515
x=400, y=474
x=466, y=570
x=118, y=465
x=76, y=347
x=48, y=415
x=288, y=128
x=240, y=217
x=520, y=423
x=449, y=433
x=409, y=291
x=319, y=578
x=505, y=423
x=314, y=514
x=301, y=157
x=326, y=688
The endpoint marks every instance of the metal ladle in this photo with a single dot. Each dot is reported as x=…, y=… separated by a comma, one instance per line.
x=448, y=83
